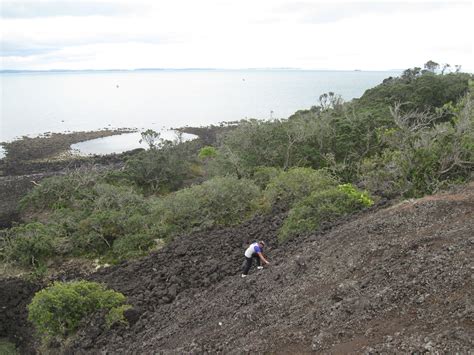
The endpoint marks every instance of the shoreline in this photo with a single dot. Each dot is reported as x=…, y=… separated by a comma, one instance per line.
x=52, y=146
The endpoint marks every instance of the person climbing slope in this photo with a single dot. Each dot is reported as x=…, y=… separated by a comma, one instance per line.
x=254, y=251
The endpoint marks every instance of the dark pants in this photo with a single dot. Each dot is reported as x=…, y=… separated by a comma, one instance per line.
x=248, y=263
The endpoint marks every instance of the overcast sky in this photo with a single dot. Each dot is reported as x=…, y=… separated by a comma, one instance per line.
x=367, y=35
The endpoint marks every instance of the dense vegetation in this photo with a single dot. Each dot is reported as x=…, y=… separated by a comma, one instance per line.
x=57, y=310
x=407, y=137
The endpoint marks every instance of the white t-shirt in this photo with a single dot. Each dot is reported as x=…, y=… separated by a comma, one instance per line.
x=253, y=248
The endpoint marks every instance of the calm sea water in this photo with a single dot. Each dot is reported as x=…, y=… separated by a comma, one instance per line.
x=35, y=103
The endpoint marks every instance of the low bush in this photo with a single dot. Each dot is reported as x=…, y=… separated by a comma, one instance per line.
x=58, y=310
x=132, y=246
x=264, y=174
x=116, y=316
x=424, y=160
x=161, y=170
x=322, y=207
x=220, y=201
x=31, y=244
x=295, y=184
x=90, y=218
x=61, y=191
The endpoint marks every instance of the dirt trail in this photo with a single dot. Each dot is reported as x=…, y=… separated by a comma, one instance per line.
x=393, y=280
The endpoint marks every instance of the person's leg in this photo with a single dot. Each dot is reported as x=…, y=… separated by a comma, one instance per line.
x=248, y=265
x=259, y=262
x=257, y=258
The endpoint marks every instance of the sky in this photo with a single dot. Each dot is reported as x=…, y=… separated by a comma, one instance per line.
x=232, y=34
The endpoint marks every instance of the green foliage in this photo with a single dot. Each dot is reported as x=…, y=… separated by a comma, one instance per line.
x=7, y=348
x=116, y=316
x=57, y=310
x=362, y=197
x=62, y=191
x=132, y=246
x=220, y=201
x=161, y=170
x=295, y=184
x=421, y=161
x=207, y=152
x=416, y=90
x=348, y=138
x=89, y=220
x=30, y=244
x=322, y=207
x=251, y=144
x=151, y=138
x=263, y=175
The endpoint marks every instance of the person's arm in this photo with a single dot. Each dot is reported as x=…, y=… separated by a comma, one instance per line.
x=260, y=255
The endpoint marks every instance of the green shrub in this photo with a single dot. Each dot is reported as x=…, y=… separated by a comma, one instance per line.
x=207, y=152
x=132, y=245
x=295, y=184
x=7, y=348
x=116, y=316
x=419, y=162
x=57, y=310
x=264, y=174
x=61, y=191
x=220, y=201
x=30, y=244
x=161, y=170
x=355, y=194
x=91, y=217
x=252, y=143
x=323, y=206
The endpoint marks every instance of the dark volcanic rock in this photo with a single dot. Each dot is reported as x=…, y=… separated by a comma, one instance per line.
x=15, y=295
x=390, y=280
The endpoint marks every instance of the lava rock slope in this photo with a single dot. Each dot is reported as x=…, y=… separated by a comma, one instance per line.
x=397, y=279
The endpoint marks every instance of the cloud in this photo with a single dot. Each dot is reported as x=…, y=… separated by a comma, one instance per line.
x=35, y=9
x=319, y=12
x=16, y=49
x=24, y=37
x=238, y=34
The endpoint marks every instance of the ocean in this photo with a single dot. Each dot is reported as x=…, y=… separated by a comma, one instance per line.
x=33, y=103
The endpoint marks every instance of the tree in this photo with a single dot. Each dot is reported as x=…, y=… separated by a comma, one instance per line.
x=411, y=73
x=152, y=138
x=445, y=67
x=330, y=100
x=431, y=66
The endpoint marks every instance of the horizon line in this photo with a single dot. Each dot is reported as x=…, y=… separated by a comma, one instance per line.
x=186, y=69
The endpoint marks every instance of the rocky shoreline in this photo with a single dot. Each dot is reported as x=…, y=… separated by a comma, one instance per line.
x=24, y=155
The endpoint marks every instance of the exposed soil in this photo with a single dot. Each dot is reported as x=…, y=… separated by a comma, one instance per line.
x=391, y=280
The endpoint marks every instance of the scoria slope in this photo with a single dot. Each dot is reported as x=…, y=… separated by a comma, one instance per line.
x=395, y=279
